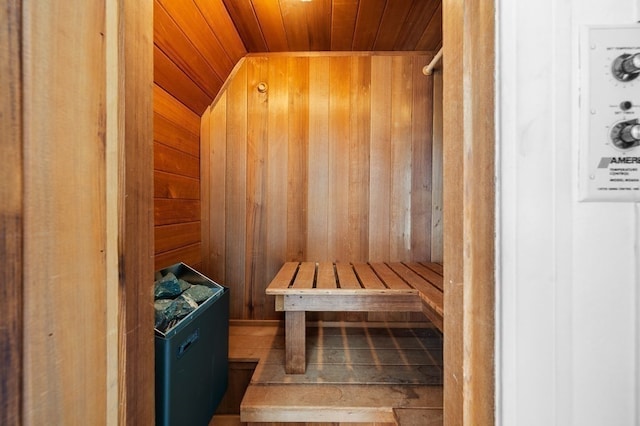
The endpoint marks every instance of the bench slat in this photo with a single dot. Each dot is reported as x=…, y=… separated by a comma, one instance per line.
x=390, y=279
x=436, y=267
x=284, y=277
x=347, y=276
x=428, y=292
x=427, y=273
x=306, y=275
x=367, y=276
x=326, y=276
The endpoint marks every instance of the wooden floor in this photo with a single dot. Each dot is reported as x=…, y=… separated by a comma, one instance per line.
x=356, y=373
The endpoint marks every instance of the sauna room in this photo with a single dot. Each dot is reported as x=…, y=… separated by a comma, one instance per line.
x=290, y=151
x=308, y=133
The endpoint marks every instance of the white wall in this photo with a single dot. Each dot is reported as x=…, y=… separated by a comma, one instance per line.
x=568, y=337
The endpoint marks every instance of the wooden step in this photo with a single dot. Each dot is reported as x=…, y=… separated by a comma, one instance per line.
x=419, y=416
x=334, y=403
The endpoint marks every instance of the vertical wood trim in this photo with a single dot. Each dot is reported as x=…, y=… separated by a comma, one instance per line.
x=468, y=93
x=359, y=148
x=205, y=192
x=257, y=133
x=217, y=202
x=421, y=161
x=401, y=102
x=339, y=161
x=453, y=135
x=436, y=175
x=318, y=182
x=137, y=373
x=114, y=147
x=236, y=192
x=298, y=69
x=278, y=152
x=479, y=198
x=11, y=214
x=64, y=214
x=379, y=187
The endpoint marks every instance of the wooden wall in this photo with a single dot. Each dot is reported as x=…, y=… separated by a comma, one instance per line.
x=176, y=171
x=192, y=60
x=332, y=162
x=79, y=212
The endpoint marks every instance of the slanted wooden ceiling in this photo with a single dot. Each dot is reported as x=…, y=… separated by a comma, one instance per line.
x=198, y=42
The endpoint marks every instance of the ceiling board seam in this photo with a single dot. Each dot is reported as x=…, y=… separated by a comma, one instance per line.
x=375, y=40
x=215, y=35
x=255, y=15
x=158, y=4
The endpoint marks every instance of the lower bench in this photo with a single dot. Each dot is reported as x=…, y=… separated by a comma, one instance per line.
x=364, y=287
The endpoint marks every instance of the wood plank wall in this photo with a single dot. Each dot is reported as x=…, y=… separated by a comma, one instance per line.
x=331, y=162
x=176, y=169
x=86, y=203
x=192, y=60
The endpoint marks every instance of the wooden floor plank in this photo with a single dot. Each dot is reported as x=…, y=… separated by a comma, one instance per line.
x=334, y=403
x=354, y=373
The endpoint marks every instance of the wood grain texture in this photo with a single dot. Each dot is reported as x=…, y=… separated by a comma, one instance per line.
x=277, y=174
x=246, y=24
x=339, y=161
x=172, y=40
x=319, y=176
x=297, y=161
x=366, y=29
x=11, y=214
x=453, y=241
x=479, y=228
x=320, y=187
x=236, y=193
x=176, y=176
x=257, y=152
x=421, y=164
x=343, y=22
x=64, y=215
x=380, y=160
x=195, y=27
x=469, y=187
x=436, y=168
x=173, y=80
x=205, y=194
x=136, y=374
x=220, y=22
x=216, y=206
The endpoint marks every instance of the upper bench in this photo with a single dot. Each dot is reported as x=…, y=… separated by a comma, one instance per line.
x=352, y=286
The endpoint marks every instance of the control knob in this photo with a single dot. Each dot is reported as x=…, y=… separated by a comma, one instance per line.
x=626, y=67
x=626, y=134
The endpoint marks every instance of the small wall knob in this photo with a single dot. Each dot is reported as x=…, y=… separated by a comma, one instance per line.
x=626, y=67
x=626, y=134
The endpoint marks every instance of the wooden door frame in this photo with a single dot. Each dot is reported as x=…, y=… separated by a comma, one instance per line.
x=125, y=387
x=469, y=211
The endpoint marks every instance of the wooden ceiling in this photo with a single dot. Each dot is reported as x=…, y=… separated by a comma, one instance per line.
x=198, y=42
x=322, y=25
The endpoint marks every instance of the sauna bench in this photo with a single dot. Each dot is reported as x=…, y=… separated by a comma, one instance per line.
x=359, y=287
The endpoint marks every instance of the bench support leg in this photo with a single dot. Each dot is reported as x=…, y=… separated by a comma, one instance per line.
x=295, y=342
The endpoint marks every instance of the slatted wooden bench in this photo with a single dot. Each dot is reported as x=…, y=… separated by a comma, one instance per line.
x=362, y=287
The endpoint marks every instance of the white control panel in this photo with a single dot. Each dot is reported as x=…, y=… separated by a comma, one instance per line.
x=610, y=114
